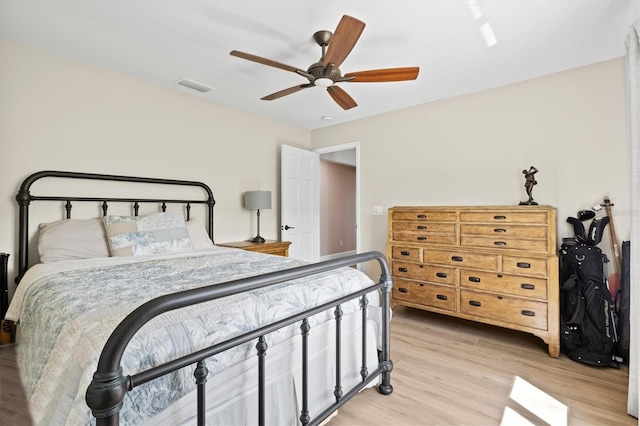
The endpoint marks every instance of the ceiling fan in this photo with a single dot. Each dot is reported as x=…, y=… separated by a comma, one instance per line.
x=326, y=72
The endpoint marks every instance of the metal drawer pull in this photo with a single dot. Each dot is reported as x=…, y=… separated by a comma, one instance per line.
x=403, y=269
x=474, y=303
x=523, y=265
x=441, y=297
x=422, y=227
x=441, y=275
x=422, y=238
x=403, y=290
x=527, y=286
x=500, y=217
x=457, y=258
x=499, y=230
x=405, y=253
x=422, y=216
x=528, y=313
x=474, y=279
x=500, y=243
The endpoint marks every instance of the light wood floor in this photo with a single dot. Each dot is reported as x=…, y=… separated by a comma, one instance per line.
x=13, y=406
x=447, y=371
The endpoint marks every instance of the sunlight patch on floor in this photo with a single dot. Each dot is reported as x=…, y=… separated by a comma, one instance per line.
x=537, y=402
x=512, y=418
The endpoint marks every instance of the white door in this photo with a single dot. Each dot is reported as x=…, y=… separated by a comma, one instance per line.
x=299, y=204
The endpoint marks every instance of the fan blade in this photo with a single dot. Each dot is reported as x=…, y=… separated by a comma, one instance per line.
x=341, y=97
x=383, y=75
x=264, y=61
x=286, y=92
x=344, y=38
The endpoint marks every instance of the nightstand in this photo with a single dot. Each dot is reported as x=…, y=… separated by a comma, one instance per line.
x=280, y=248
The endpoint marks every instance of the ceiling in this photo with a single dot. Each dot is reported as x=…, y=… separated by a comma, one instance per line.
x=164, y=41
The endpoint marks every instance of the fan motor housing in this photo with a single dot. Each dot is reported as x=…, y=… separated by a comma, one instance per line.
x=317, y=70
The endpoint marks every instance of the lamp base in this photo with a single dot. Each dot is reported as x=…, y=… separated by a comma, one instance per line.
x=258, y=239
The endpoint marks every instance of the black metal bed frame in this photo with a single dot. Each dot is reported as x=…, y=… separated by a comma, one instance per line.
x=107, y=391
x=24, y=199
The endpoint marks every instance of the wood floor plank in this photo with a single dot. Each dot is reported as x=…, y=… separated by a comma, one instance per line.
x=448, y=371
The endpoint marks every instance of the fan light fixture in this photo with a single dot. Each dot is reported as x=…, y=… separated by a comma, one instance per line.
x=326, y=72
x=323, y=82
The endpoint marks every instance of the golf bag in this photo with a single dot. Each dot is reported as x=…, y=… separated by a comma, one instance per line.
x=587, y=323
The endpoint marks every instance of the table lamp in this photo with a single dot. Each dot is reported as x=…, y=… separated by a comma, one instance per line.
x=256, y=200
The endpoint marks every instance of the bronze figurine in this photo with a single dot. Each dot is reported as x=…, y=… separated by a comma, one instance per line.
x=529, y=182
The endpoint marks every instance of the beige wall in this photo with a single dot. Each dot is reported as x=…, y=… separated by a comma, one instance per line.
x=57, y=113
x=61, y=114
x=471, y=150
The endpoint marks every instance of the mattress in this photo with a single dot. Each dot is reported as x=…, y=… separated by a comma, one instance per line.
x=66, y=311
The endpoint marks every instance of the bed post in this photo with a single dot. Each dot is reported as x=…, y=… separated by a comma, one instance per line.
x=24, y=199
x=385, y=357
x=105, y=395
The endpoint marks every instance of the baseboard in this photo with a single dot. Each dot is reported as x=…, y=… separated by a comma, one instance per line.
x=337, y=255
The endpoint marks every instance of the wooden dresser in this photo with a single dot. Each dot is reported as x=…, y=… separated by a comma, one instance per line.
x=493, y=264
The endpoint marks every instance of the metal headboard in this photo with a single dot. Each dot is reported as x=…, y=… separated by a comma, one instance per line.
x=24, y=198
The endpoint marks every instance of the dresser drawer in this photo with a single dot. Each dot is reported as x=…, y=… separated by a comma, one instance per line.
x=461, y=259
x=505, y=231
x=437, y=296
x=525, y=266
x=503, y=283
x=426, y=238
x=528, y=313
x=415, y=226
x=424, y=215
x=498, y=216
x=412, y=254
x=539, y=246
x=417, y=271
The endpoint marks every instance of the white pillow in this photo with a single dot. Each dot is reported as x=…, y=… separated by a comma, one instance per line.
x=72, y=239
x=152, y=233
x=199, y=236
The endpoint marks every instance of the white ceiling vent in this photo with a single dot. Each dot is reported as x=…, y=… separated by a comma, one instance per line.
x=194, y=85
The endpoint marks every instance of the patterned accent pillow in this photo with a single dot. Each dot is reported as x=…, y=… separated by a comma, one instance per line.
x=152, y=233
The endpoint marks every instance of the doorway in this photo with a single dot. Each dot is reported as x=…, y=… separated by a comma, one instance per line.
x=339, y=200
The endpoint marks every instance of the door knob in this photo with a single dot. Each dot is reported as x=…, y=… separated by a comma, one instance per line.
x=287, y=227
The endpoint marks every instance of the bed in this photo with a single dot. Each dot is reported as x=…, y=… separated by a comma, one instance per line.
x=164, y=327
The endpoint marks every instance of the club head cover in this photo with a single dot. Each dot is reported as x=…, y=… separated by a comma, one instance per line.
x=596, y=230
x=586, y=215
x=578, y=228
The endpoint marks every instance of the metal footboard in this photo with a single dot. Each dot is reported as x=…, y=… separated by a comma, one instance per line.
x=109, y=386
